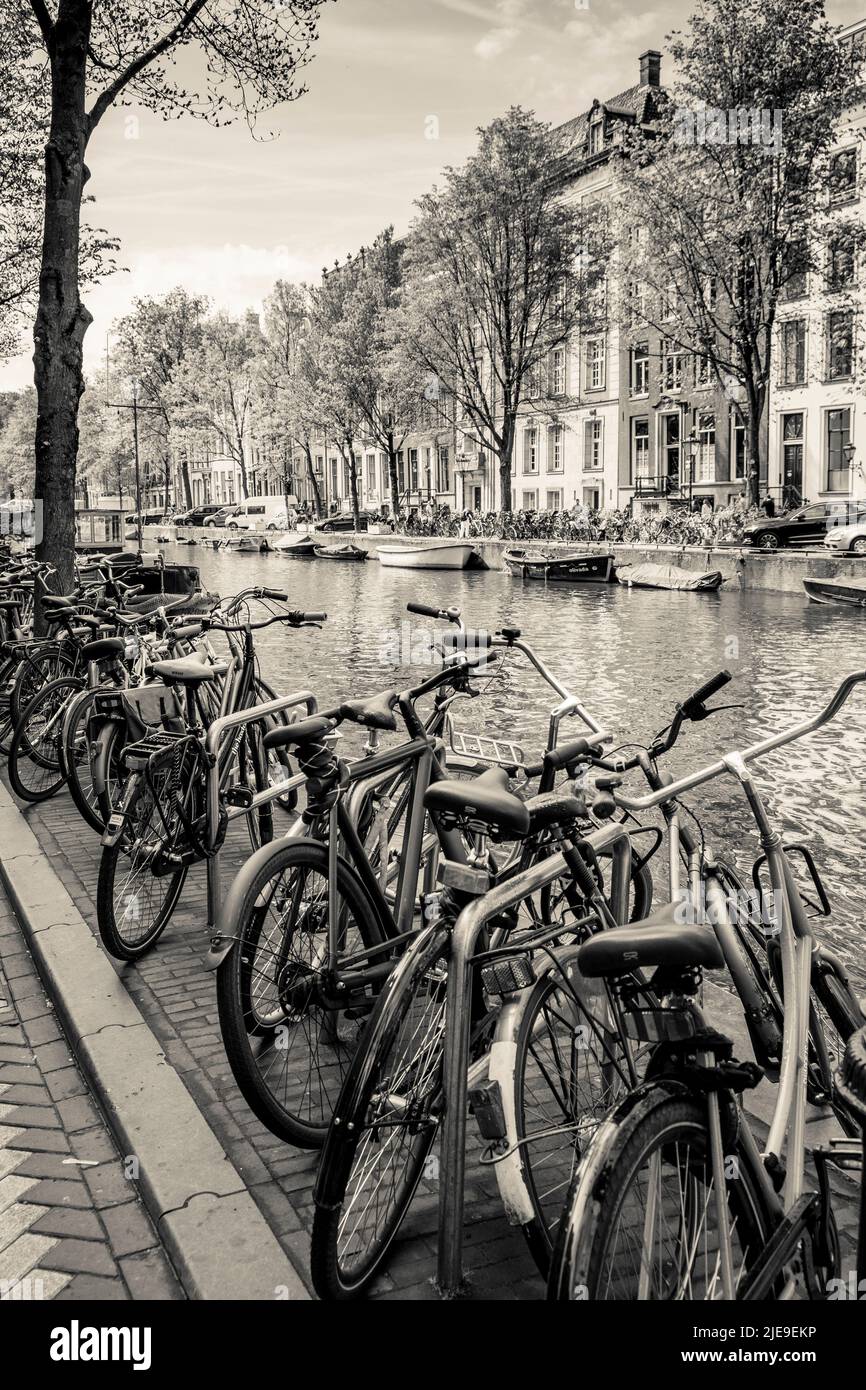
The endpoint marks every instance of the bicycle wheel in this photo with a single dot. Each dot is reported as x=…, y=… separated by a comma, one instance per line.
x=570, y=1067
x=287, y=1030
x=78, y=741
x=35, y=769
x=8, y=671
x=389, y=1109
x=35, y=671
x=649, y=1231
x=133, y=903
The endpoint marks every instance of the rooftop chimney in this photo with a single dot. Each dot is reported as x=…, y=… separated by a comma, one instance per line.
x=650, y=68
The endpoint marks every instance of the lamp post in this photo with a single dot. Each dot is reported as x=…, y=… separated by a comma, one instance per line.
x=692, y=440
x=848, y=453
x=135, y=406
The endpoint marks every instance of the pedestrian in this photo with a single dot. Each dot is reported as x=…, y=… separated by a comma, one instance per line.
x=466, y=517
x=768, y=506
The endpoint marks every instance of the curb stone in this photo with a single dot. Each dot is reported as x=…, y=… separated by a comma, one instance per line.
x=221, y=1244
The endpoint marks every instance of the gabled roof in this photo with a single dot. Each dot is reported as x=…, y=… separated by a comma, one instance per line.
x=636, y=103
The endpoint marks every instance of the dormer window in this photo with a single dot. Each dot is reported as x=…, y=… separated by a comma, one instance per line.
x=596, y=134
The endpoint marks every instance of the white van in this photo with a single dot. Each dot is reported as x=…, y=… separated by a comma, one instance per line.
x=260, y=514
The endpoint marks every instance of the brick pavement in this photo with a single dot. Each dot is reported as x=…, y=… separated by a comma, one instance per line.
x=72, y=1225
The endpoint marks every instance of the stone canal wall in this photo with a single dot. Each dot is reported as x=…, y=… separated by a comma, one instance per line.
x=742, y=567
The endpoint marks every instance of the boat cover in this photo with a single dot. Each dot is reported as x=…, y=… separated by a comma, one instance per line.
x=661, y=576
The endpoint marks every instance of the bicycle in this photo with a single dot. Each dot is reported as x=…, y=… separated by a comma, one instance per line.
x=689, y=1206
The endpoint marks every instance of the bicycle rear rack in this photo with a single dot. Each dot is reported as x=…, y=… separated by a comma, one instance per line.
x=483, y=747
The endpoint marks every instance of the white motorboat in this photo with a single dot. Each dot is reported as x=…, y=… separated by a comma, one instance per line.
x=430, y=555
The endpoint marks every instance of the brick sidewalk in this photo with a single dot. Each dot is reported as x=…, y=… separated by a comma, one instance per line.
x=177, y=998
x=71, y=1222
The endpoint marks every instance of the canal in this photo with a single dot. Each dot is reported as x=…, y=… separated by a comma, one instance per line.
x=629, y=655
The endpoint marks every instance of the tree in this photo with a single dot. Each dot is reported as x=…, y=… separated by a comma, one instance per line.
x=16, y=443
x=731, y=192
x=501, y=270
x=154, y=342
x=217, y=382
x=288, y=374
x=98, y=55
x=336, y=405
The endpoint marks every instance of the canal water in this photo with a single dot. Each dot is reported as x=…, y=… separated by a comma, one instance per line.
x=629, y=655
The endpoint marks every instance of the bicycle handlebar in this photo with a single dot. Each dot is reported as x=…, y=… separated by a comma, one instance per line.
x=757, y=750
x=425, y=610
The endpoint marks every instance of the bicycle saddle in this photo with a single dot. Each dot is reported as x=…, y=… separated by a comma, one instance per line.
x=104, y=646
x=304, y=731
x=187, y=670
x=59, y=600
x=375, y=712
x=659, y=939
x=486, y=800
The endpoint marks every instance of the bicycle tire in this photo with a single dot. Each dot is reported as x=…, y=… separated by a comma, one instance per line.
x=76, y=760
x=418, y=976
x=115, y=930
x=30, y=757
x=587, y=1242
x=30, y=677
x=250, y=1027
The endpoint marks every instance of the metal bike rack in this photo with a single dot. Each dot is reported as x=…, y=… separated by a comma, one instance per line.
x=472, y=919
x=212, y=743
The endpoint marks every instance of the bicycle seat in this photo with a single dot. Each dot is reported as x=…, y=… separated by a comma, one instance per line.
x=486, y=801
x=659, y=939
x=188, y=670
x=305, y=731
x=375, y=712
x=50, y=601
x=104, y=646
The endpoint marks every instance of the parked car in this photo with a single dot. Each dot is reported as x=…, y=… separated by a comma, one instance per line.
x=198, y=516
x=155, y=517
x=344, y=521
x=260, y=514
x=221, y=518
x=850, y=539
x=806, y=526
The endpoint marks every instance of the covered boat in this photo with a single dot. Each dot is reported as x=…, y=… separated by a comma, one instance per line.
x=296, y=545
x=660, y=576
x=582, y=566
x=431, y=555
x=244, y=543
x=340, y=552
x=850, y=591
x=175, y=587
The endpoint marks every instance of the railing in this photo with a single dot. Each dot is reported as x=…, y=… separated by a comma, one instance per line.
x=656, y=485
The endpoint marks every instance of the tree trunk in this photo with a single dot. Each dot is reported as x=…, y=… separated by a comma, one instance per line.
x=314, y=482
x=61, y=318
x=183, y=469
x=353, y=482
x=754, y=464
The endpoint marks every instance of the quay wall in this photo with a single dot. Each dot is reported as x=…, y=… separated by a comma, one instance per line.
x=743, y=568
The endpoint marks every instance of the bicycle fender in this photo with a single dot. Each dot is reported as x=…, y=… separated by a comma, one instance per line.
x=117, y=821
x=233, y=901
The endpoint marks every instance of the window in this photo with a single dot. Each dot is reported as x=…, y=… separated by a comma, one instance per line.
x=444, y=471
x=347, y=482
x=554, y=449
x=593, y=454
x=553, y=500
x=838, y=437
x=413, y=470
x=639, y=447
x=703, y=372
x=386, y=481
x=639, y=370
x=557, y=372
x=637, y=304
x=792, y=450
x=843, y=176
x=401, y=471
x=595, y=363
x=672, y=366
x=667, y=302
x=671, y=444
x=530, y=450
x=371, y=475
x=840, y=267
x=840, y=344
x=334, y=480
x=320, y=463
x=739, y=444
x=793, y=352
x=529, y=501
x=705, y=471
x=796, y=272
x=596, y=135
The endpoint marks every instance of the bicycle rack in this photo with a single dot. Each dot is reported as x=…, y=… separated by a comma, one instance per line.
x=469, y=924
x=215, y=733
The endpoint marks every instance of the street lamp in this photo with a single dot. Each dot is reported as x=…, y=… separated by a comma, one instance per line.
x=135, y=406
x=848, y=453
x=692, y=441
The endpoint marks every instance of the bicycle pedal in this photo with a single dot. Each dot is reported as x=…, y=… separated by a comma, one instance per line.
x=239, y=796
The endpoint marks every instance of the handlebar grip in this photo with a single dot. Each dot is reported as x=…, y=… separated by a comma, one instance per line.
x=704, y=692
x=279, y=594
x=313, y=617
x=567, y=753
x=424, y=610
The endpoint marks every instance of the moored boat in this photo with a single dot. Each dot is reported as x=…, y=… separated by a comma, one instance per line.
x=847, y=590
x=580, y=566
x=244, y=543
x=660, y=576
x=432, y=555
x=340, y=552
x=296, y=545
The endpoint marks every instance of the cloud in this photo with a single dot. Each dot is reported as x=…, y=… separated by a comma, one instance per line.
x=495, y=43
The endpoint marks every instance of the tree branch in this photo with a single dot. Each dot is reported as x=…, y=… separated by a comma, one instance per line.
x=110, y=94
x=43, y=18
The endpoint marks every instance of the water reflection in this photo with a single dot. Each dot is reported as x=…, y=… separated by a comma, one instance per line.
x=629, y=655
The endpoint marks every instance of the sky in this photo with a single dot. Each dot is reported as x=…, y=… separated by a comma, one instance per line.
x=397, y=90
